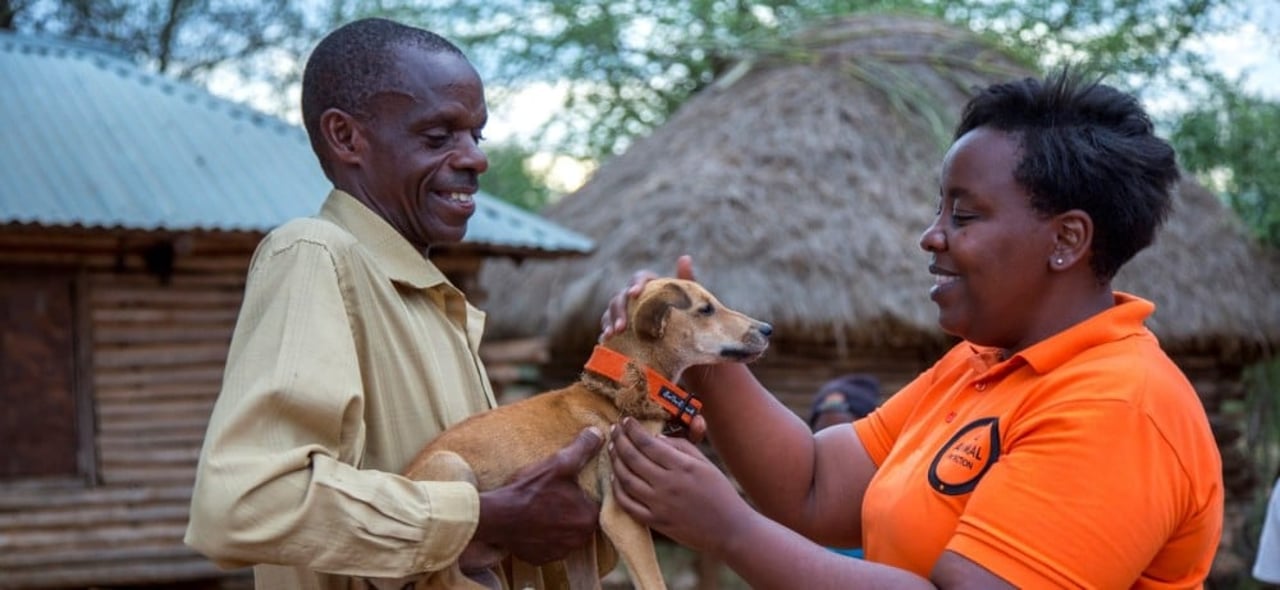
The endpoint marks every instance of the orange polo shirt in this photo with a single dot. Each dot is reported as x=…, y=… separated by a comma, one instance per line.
x=1085, y=461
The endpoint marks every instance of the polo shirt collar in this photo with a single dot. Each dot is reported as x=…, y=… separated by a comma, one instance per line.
x=1126, y=318
x=389, y=250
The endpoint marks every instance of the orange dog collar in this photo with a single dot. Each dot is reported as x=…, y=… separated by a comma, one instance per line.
x=677, y=402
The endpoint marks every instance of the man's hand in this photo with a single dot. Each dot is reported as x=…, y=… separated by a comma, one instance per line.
x=542, y=514
x=670, y=486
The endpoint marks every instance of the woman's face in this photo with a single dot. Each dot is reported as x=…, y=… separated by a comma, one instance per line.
x=989, y=249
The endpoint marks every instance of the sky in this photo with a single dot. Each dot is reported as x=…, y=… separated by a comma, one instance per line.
x=1247, y=51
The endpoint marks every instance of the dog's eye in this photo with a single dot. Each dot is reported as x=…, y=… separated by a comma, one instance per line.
x=706, y=309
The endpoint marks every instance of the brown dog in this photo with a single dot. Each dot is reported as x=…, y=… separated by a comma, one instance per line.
x=672, y=325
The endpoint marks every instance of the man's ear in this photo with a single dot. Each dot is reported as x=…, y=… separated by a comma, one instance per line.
x=342, y=135
x=651, y=312
x=1073, y=238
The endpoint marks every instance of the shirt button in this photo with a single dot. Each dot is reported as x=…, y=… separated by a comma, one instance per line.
x=980, y=386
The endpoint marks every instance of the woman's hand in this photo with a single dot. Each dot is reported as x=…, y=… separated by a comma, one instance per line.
x=615, y=315
x=669, y=485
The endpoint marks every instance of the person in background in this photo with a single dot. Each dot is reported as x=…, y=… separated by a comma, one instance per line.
x=352, y=351
x=1266, y=566
x=1024, y=456
x=843, y=400
x=840, y=401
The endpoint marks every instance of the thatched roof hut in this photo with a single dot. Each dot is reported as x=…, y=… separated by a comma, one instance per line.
x=800, y=182
x=797, y=183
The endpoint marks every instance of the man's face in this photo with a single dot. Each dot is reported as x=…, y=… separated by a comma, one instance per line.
x=422, y=161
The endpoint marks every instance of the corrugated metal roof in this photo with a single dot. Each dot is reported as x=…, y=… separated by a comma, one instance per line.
x=94, y=140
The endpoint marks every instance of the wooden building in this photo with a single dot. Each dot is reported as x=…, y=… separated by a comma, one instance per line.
x=800, y=182
x=130, y=208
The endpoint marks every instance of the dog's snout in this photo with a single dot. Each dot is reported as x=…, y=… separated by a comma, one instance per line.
x=765, y=329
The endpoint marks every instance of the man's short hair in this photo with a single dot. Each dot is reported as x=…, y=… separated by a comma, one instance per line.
x=354, y=63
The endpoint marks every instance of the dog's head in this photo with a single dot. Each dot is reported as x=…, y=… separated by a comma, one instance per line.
x=678, y=324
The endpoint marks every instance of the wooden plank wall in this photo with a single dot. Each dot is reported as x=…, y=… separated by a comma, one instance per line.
x=157, y=351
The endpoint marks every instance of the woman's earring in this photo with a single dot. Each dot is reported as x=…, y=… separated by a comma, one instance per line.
x=1058, y=261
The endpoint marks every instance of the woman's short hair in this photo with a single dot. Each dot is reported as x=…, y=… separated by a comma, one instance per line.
x=1088, y=146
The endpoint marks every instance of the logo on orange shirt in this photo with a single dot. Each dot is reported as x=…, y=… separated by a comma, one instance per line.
x=965, y=458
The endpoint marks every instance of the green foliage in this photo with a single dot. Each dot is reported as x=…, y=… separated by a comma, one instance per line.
x=510, y=179
x=1262, y=429
x=1232, y=143
x=1259, y=415
x=630, y=65
x=1137, y=39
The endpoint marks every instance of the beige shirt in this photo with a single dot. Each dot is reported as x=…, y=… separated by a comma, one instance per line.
x=351, y=352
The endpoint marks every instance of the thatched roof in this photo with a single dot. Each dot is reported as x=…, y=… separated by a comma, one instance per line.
x=800, y=183
x=1215, y=288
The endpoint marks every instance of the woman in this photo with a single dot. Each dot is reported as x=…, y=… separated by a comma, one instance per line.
x=1056, y=446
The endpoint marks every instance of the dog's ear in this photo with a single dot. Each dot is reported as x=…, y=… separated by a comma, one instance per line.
x=651, y=315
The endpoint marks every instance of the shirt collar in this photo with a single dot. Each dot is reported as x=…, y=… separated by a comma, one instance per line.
x=1124, y=319
x=389, y=250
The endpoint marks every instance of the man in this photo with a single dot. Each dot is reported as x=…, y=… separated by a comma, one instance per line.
x=352, y=350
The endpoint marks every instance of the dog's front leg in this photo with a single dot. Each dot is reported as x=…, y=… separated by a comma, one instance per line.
x=632, y=540
x=634, y=543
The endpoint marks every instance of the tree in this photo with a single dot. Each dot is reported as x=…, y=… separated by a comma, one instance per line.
x=261, y=43
x=187, y=39
x=510, y=178
x=630, y=65
x=1232, y=143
